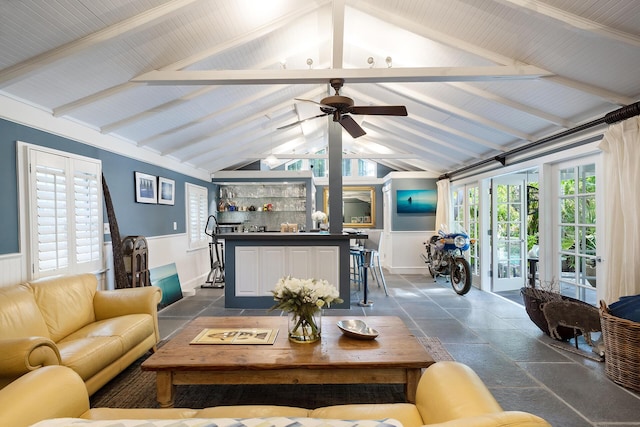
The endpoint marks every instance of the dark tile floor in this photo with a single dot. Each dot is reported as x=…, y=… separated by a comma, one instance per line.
x=490, y=333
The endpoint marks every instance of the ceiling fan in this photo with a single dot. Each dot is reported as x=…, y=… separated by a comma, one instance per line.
x=340, y=107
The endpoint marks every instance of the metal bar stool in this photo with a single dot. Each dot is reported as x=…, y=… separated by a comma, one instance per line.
x=373, y=244
x=356, y=265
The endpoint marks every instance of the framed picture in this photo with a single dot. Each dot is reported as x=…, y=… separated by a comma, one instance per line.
x=416, y=201
x=166, y=191
x=146, y=188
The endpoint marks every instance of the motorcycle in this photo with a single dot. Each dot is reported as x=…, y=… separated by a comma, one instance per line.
x=445, y=257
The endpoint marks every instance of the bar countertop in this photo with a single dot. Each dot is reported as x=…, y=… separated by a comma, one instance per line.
x=302, y=236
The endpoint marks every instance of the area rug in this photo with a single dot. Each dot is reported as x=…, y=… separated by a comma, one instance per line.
x=134, y=388
x=435, y=348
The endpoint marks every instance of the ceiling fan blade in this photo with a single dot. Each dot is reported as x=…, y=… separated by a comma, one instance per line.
x=352, y=126
x=381, y=110
x=317, y=103
x=300, y=121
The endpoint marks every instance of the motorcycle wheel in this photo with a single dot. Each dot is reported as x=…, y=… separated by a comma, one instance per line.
x=461, y=276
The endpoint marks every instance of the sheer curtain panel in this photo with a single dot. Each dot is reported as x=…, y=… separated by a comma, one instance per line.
x=621, y=164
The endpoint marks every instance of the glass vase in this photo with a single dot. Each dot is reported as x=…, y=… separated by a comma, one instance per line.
x=304, y=326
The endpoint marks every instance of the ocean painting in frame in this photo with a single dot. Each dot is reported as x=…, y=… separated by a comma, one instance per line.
x=416, y=201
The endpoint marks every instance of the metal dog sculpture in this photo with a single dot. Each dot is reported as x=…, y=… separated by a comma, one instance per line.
x=576, y=315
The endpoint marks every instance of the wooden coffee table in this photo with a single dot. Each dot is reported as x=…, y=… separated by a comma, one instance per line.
x=394, y=357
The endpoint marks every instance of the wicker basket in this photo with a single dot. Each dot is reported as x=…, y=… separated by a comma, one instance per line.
x=621, y=348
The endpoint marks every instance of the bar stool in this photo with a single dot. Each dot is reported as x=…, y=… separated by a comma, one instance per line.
x=356, y=265
x=373, y=244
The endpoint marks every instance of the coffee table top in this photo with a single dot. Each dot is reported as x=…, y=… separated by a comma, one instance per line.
x=395, y=347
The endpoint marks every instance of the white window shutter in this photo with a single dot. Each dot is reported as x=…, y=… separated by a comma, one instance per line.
x=65, y=213
x=197, y=214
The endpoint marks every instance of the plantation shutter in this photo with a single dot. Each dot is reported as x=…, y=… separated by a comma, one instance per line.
x=87, y=212
x=51, y=215
x=65, y=215
x=197, y=210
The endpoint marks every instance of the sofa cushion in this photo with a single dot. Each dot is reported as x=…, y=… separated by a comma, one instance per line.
x=221, y=422
x=20, y=316
x=406, y=413
x=130, y=330
x=252, y=411
x=66, y=303
x=89, y=355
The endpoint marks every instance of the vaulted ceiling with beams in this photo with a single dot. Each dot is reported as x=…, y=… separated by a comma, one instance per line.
x=214, y=84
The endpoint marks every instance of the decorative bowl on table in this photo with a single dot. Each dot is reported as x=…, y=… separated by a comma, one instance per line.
x=358, y=329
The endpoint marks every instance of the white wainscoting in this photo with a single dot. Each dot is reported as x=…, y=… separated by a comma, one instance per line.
x=13, y=268
x=401, y=251
x=192, y=265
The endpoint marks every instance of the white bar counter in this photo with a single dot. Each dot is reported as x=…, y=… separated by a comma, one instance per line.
x=254, y=262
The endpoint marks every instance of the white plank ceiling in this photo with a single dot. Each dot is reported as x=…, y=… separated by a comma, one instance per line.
x=207, y=83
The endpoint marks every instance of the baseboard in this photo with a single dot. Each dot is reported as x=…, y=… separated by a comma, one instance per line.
x=407, y=270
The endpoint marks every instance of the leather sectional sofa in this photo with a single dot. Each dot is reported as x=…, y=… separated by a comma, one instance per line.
x=449, y=394
x=67, y=321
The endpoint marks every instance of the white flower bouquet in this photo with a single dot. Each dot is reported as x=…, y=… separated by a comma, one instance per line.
x=319, y=216
x=303, y=299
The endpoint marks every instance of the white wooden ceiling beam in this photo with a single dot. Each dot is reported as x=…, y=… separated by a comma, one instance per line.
x=337, y=47
x=414, y=140
x=453, y=131
x=258, y=117
x=233, y=43
x=459, y=112
x=211, y=116
x=436, y=125
x=551, y=118
x=448, y=40
x=237, y=150
x=429, y=138
x=607, y=95
x=317, y=76
x=113, y=126
x=574, y=21
x=26, y=68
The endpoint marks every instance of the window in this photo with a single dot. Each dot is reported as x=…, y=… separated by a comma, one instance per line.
x=350, y=167
x=65, y=212
x=197, y=214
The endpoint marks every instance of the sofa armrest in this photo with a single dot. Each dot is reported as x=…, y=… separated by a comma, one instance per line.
x=49, y=392
x=451, y=390
x=498, y=419
x=120, y=302
x=108, y=304
x=21, y=355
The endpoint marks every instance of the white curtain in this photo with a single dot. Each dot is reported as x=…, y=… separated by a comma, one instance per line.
x=443, y=207
x=621, y=161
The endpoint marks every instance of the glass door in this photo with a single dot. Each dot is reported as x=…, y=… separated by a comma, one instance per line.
x=465, y=205
x=576, y=255
x=508, y=232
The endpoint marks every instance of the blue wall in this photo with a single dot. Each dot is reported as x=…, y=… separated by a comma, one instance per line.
x=412, y=221
x=133, y=218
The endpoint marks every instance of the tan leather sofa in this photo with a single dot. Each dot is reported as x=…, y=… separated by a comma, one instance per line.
x=67, y=321
x=449, y=394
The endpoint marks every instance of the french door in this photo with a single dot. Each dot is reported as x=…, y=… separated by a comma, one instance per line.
x=575, y=226
x=508, y=232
